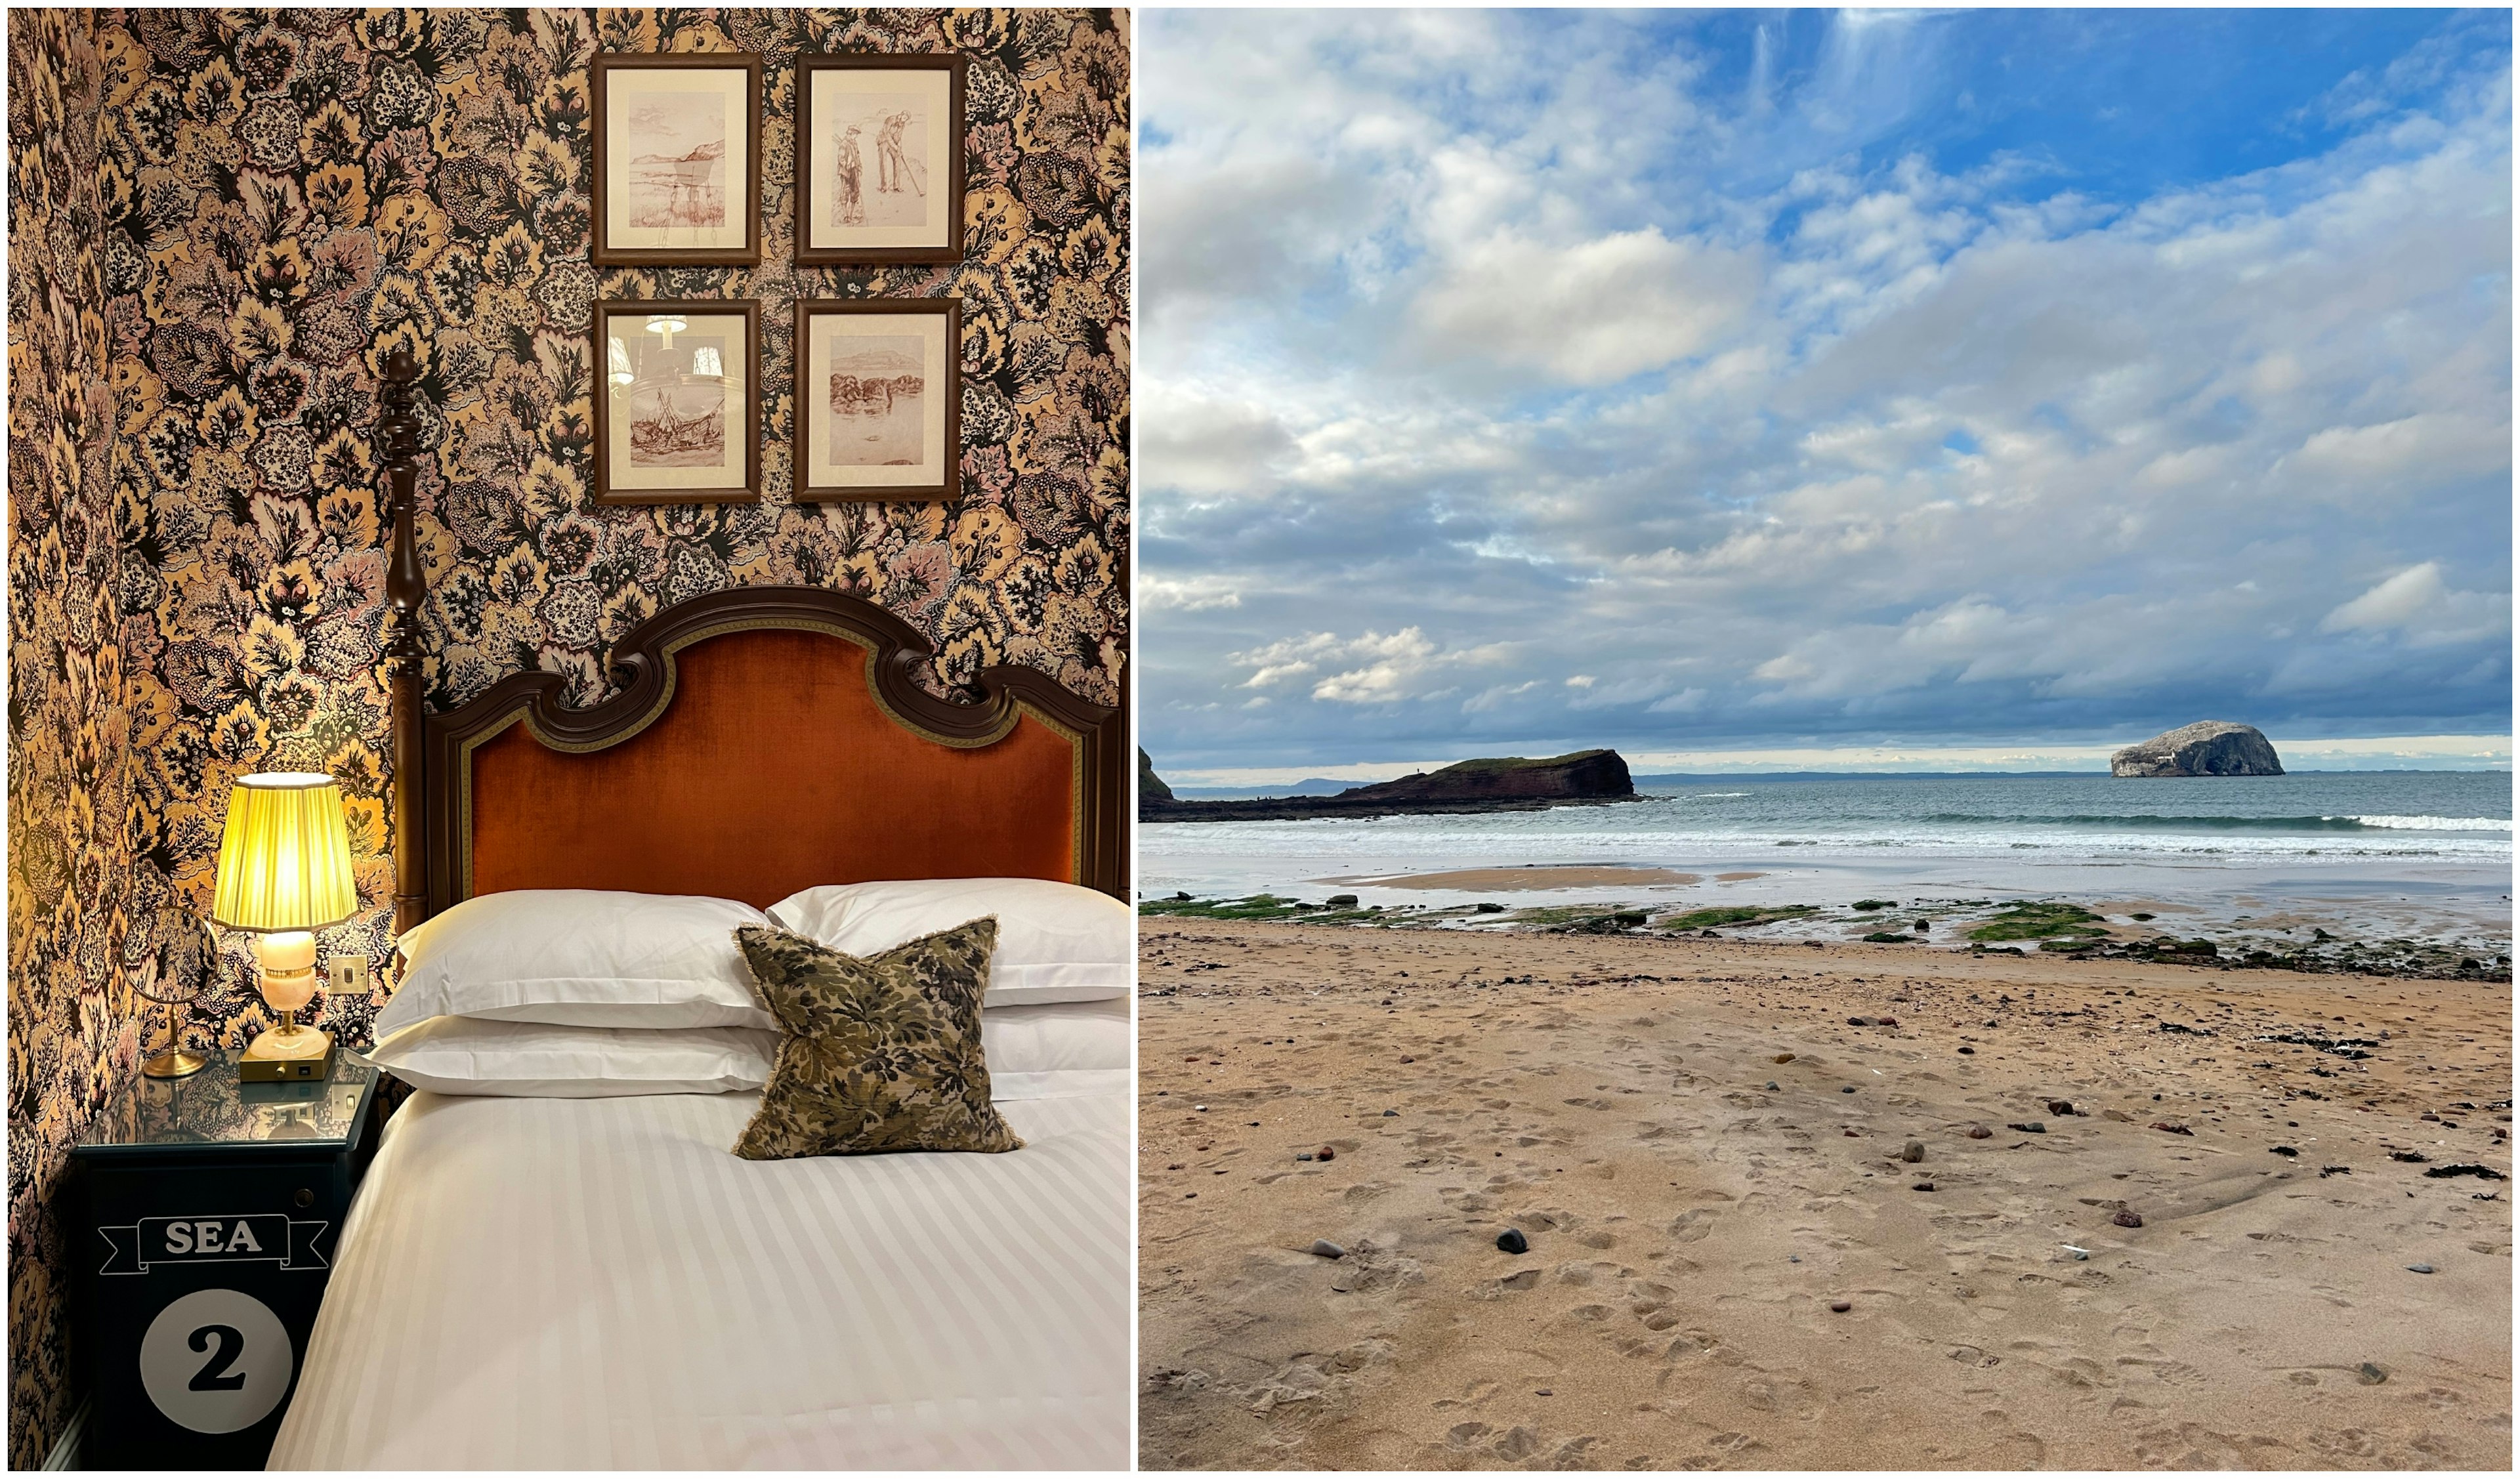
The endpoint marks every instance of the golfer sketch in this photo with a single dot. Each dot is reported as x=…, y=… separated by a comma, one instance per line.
x=848, y=208
x=893, y=166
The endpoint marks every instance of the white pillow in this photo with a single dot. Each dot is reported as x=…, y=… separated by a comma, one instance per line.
x=580, y=956
x=1056, y=942
x=542, y=1060
x=1060, y=1052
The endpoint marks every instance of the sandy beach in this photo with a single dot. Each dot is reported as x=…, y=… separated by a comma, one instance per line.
x=1705, y=1158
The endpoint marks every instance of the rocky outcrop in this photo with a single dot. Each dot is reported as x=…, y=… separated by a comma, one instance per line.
x=1150, y=787
x=2210, y=747
x=1472, y=785
x=1584, y=775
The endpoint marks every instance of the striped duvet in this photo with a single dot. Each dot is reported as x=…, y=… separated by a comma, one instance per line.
x=597, y=1283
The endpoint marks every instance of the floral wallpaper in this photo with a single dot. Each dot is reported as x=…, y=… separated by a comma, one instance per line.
x=239, y=214
x=73, y=1027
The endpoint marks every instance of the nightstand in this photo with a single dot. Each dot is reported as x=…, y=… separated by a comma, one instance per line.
x=203, y=1234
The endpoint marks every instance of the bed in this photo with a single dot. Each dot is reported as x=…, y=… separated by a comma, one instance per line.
x=530, y=1282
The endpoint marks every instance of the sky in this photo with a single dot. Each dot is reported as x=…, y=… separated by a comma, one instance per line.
x=1763, y=385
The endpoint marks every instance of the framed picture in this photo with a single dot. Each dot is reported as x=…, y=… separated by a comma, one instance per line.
x=677, y=159
x=878, y=399
x=678, y=407
x=880, y=159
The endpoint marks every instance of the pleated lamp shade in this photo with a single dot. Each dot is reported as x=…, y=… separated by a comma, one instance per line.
x=284, y=859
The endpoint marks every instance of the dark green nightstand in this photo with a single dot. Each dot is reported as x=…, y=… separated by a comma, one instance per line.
x=208, y=1212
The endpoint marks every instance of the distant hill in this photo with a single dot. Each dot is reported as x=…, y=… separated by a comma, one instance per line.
x=875, y=364
x=1313, y=787
x=1504, y=783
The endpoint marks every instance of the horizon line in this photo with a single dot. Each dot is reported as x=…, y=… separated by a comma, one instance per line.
x=2438, y=753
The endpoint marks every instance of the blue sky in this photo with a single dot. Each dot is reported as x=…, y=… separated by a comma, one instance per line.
x=1743, y=384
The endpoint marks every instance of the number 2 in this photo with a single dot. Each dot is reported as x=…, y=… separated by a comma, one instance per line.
x=213, y=1375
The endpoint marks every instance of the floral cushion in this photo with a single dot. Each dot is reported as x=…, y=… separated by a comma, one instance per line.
x=875, y=1053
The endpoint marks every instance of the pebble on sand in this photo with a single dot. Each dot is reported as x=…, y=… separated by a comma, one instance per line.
x=1303, y=1155
x=1980, y=1132
x=1391, y=1114
x=1511, y=1240
x=2029, y=1127
x=2419, y=1268
x=1913, y=1151
x=2129, y=1220
x=2370, y=1374
x=1322, y=1247
x=1784, y=1057
x=1839, y=1305
x=1325, y=1153
x=2060, y=1107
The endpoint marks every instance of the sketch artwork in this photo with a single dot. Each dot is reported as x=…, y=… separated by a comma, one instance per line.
x=878, y=401
x=677, y=153
x=677, y=414
x=880, y=149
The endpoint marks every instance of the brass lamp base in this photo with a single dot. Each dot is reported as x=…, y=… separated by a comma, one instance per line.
x=173, y=1063
x=286, y=1054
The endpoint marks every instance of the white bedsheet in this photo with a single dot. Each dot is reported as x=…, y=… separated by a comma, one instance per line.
x=597, y=1283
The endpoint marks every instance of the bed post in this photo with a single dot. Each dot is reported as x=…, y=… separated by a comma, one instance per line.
x=406, y=585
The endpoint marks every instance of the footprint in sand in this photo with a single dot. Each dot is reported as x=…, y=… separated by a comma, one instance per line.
x=1585, y=1273
x=1512, y=1283
x=1692, y=1226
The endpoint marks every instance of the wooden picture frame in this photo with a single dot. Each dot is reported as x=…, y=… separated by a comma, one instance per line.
x=852, y=437
x=899, y=119
x=657, y=200
x=661, y=378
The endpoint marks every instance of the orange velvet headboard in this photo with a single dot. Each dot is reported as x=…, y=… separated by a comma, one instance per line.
x=769, y=739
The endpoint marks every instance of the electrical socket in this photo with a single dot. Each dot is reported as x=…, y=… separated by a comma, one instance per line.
x=349, y=976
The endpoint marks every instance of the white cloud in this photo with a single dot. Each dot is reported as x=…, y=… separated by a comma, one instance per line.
x=1157, y=593
x=1213, y=444
x=2410, y=451
x=2421, y=609
x=2390, y=603
x=1587, y=313
x=1374, y=668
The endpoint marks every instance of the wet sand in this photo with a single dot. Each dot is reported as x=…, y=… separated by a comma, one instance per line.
x=1689, y=1226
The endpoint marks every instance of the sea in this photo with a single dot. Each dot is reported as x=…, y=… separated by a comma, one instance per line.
x=2413, y=854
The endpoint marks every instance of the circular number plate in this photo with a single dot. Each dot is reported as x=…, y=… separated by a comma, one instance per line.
x=216, y=1360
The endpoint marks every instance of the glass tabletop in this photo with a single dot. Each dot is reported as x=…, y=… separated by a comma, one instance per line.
x=212, y=1107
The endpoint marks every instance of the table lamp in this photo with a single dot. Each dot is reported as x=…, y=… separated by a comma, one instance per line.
x=283, y=874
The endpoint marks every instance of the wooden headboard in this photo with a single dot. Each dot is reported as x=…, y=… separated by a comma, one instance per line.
x=765, y=739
